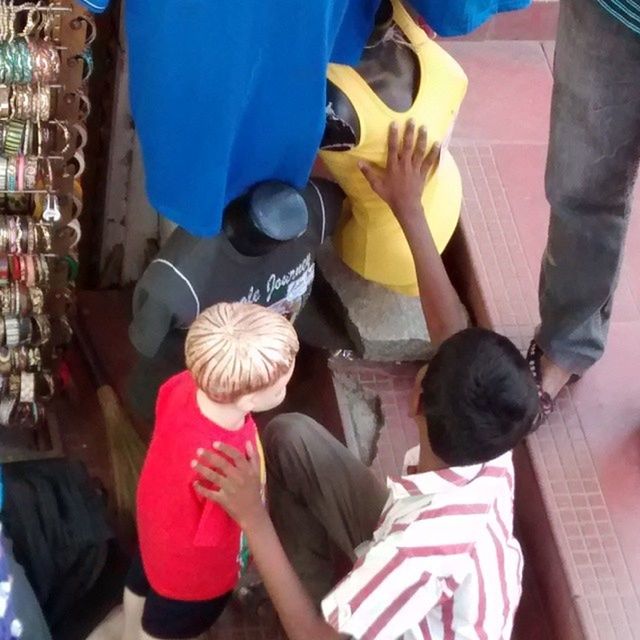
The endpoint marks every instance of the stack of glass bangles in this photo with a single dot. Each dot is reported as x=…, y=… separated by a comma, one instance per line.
x=30, y=331
x=27, y=61
x=18, y=299
x=20, y=234
x=19, y=359
x=30, y=103
x=21, y=173
x=31, y=269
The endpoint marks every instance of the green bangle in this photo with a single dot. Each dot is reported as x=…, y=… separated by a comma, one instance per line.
x=73, y=267
x=14, y=135
x=3, y=63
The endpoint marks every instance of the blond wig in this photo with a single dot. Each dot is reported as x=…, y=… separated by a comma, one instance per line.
x=234, y=349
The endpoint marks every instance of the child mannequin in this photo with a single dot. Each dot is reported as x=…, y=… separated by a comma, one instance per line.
x=240, y=358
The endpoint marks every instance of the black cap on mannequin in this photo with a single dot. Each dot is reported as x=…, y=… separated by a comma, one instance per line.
x=267, y=215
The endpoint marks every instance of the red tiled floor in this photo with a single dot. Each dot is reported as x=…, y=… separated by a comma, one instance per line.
x=587, y=459
x=509, y=92
x=392, y=383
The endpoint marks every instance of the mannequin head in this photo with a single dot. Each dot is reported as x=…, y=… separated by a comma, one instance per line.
x=241, y=357
x=269, y=214
x=391, y=69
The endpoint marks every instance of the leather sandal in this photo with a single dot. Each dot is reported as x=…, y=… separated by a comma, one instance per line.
x=547, y=405
x=546, y=402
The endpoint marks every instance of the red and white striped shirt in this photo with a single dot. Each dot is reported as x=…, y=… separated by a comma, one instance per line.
x=443, y=563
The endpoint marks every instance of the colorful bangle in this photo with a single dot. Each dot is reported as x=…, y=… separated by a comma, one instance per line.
x=73, y=267
x=4, y=236
x=13, y=137
x=26, y=330
x=5, y=101
x=3, y=173
x=31, y=172
x=5, y=301
x=4, y=270
x=36, y=296
x=32, y=276
x=12, y=331
x=19, y=359
x=41, y=331
x=25, y=300
x=7, y=405
x=34, y=359
x=20, y=172
x=21, y=235
x=11, y=174
x=5, y=354
x=27, y=387
x=48, y=379
x=16, y=274
x=17, y=299
x=46, y=235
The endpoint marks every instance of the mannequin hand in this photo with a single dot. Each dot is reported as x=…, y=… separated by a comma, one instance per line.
x=401, y=183
x=237, y=477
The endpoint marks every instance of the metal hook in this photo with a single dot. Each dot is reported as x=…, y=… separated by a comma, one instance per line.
x=51, y=211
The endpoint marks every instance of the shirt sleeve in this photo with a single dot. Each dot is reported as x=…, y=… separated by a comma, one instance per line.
x=386, y=594
x=161, y=302
x=150, y=324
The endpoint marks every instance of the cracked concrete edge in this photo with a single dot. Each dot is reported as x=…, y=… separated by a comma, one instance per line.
x=384, y=326
x=361, y=414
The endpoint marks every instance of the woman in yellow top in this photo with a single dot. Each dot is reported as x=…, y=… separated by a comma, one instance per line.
x=369, y=239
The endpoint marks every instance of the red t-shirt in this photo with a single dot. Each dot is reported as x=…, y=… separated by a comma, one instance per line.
x=191, y=549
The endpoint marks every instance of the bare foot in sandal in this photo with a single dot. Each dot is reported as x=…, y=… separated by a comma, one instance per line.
x=554, y=377
x=550, y=379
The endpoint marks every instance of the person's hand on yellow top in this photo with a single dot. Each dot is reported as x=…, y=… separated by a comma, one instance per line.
x=401, y=183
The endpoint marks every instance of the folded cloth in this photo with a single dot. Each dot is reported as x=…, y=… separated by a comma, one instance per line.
x=460, y=17
x=227, y=95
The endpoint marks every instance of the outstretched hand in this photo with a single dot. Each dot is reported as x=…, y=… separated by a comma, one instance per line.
x=401, y=183
x=237, y=478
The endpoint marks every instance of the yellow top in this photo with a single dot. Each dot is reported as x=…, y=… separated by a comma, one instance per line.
x=370, y=240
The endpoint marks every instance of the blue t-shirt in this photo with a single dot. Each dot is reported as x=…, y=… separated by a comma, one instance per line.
x=459, y=17
x=228, y=95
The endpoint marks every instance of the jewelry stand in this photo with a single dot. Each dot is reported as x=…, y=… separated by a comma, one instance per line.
x=43, y=109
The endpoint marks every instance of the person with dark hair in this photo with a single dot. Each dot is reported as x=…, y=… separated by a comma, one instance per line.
x=434, y=552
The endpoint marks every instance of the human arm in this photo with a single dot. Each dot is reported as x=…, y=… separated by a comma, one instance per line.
x=401, y=185
x=238, y=480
